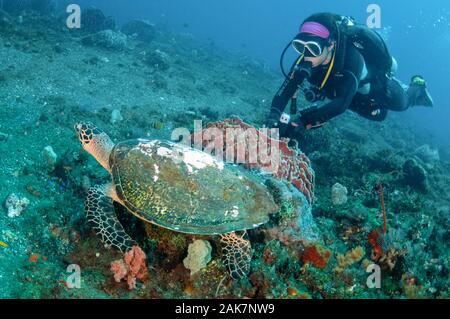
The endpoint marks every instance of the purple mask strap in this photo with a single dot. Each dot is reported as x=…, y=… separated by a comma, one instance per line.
x=316, y=29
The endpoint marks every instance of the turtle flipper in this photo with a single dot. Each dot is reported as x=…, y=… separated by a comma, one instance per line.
x=100, y=213
x=237, y=254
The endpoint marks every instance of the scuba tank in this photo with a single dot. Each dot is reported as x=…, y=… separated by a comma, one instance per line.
x=377, y=58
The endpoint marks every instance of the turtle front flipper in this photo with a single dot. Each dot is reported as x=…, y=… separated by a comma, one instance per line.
x=100, y=213
x=237, y=254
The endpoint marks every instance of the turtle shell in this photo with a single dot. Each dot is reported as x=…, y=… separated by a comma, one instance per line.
x=187, y=190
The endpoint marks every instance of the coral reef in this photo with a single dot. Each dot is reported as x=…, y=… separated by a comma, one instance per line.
x=141, y=30
x=415, y=175
x=156, y=59
x=427, y=154
x=296, y=223
x=94, y=20
x=107, y=39
x=389, y=259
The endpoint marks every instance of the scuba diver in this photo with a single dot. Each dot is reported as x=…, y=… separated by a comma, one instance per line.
x=349, y=65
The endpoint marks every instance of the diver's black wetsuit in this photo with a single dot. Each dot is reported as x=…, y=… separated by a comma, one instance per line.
x=342, y=89
x=391, y=96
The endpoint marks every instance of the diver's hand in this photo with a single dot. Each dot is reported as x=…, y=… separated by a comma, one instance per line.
x=296, y=128
x=273, y=120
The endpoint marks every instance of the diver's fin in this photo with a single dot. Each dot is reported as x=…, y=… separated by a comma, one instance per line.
x=418, y=94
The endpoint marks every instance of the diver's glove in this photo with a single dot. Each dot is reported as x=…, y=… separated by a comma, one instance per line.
x=298, y=126
x=273, y=120
x=295, y=128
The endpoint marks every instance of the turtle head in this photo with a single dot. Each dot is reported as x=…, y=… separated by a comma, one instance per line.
x=95, y=141
x=86, y=132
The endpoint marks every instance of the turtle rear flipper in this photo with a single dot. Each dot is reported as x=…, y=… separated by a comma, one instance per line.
x=237, y=254
x=100, y=213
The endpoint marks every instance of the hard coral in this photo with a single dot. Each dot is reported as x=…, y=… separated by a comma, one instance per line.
x=132, y=266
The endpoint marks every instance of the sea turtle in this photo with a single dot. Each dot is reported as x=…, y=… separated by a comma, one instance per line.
x=174, y=186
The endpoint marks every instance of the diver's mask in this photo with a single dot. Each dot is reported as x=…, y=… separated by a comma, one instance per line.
x=307, y=48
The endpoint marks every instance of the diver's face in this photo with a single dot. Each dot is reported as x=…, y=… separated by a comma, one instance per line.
x=321, y=59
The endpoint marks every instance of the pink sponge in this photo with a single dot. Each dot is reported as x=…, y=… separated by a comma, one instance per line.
x=132, y=266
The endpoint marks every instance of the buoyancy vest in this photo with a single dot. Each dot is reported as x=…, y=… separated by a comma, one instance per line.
x=370, y=44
